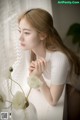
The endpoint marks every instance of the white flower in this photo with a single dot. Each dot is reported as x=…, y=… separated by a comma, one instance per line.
x=19, y=100
x=2, y=100
x=34, y=81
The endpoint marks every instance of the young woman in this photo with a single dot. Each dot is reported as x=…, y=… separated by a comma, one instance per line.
x=50, y=60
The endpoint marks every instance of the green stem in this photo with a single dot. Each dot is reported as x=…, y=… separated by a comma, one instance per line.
x=17, y=84
x=11, y=87
x=28, y=93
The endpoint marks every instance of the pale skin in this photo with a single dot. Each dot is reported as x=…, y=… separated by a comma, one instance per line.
x=30, y=39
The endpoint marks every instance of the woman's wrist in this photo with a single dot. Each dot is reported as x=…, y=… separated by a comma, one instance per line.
x=42, y=79
x=39, y=77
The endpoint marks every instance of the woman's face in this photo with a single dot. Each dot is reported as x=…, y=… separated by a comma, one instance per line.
x=29, y=37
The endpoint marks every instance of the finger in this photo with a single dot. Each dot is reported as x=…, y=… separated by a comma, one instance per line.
x=36, y=65
x=31, y=68
x=44, y=61
x=41, y=64
x=32, y=64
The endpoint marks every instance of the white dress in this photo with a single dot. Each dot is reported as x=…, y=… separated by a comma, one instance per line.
x=56, y=73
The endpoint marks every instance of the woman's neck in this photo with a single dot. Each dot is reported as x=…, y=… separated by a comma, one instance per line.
x=40, y=51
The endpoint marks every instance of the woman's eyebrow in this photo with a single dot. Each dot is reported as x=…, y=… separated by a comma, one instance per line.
x=25, y=29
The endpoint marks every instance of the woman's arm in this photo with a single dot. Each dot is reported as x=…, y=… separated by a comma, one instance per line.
x=59, y=74
x=51, y=94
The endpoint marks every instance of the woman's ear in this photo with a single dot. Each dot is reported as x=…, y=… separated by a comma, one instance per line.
x=42, y=35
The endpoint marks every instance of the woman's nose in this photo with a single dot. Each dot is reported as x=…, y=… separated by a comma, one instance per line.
x=21, y=37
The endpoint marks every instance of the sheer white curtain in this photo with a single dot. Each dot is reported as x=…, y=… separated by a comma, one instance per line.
x=28, y=4
x=9, y=11
x=9, y=52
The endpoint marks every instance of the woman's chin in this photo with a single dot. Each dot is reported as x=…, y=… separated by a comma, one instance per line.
x=24, y=48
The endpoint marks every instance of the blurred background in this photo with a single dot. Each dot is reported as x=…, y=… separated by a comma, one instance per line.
x=64, y=15
x=67, y=19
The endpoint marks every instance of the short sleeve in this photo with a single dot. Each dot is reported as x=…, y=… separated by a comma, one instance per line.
x=60, y=67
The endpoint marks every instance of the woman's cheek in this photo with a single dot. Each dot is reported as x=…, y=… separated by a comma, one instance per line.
x=30, y=43
x=31, y=40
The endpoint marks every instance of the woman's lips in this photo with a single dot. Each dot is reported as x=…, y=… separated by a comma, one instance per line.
x=22, y=44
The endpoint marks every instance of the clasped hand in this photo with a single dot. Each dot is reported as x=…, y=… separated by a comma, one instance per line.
x=37, y=67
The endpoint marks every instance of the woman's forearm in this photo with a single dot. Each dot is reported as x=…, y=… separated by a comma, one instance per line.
x=46, y=91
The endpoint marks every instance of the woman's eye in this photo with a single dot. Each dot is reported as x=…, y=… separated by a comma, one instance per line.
x=26, y=33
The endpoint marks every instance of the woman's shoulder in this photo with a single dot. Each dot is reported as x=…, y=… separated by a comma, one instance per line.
x=58, y=57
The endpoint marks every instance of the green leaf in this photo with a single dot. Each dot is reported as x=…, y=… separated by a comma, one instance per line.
x=74, y=29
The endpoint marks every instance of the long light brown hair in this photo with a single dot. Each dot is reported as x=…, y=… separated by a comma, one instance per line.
x=42, y=21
